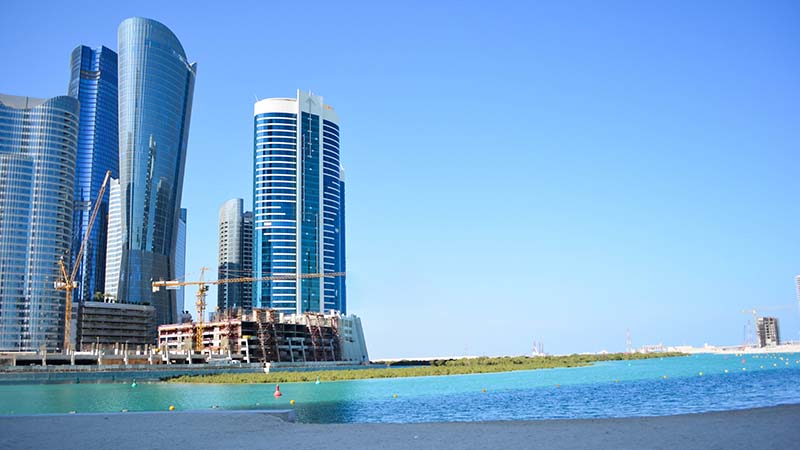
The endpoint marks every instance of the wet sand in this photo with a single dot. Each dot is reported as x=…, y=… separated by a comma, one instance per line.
x=775, y=427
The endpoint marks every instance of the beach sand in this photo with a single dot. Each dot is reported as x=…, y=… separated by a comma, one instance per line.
x=761, y=428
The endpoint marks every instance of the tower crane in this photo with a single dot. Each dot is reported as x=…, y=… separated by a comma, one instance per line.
x=202, y=289
x=67, y=281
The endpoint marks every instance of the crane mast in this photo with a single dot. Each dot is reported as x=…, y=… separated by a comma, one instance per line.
x=67, y=281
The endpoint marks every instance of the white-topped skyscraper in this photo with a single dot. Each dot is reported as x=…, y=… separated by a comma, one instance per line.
x=298, y=205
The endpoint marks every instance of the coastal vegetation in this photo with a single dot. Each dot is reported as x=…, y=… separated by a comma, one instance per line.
x=424, y=368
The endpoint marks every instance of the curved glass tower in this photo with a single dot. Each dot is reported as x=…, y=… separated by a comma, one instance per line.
x=94, y=84
x=38, y=141
x=156, y=84
x=298, y=204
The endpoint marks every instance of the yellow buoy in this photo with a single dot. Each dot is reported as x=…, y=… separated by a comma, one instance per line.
x=394, y=395
x=172, y=407
x=483, y=390
x=665, y=377
x=291, y=402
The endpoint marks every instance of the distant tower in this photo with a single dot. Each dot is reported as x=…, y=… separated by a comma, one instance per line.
x=797, y=282
x=180, y=263
x=235, y=255
x=768, y=332
x=628, y=344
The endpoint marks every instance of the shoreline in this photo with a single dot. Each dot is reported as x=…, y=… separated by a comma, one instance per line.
x=768, y=427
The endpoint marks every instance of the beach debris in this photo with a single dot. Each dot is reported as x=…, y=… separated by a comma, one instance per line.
x=317, y=382
x=700, y=374
x=123, y=410
x=394, y=395
x=73, y=412
x=726, y=370
x=483, y=390
x=133, y=385
x=664, y=377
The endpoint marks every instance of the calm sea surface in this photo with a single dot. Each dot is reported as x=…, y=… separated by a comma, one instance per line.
x=611, y=389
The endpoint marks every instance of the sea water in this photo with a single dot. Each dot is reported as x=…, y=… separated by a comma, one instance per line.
x=652, y=387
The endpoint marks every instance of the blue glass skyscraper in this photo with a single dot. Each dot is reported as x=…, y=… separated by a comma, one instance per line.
x=38, y=141
x=93, y=82
x=298, y=204
x=156, y=85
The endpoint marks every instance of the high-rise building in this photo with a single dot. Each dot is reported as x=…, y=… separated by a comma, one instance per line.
x=38, y=146
x=180, y=264
x=298, y=204
x=235, y=255
x=797, y=282
x=156, y=86
x=768, y=332
x=113, y=240
x=93, y=82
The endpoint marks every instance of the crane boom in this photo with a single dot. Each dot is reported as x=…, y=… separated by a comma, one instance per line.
x=67, y=283
x=175, y=284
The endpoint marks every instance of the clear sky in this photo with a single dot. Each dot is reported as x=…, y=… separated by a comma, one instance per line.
x=559, y=172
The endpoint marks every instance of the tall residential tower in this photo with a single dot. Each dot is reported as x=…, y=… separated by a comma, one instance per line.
x=93, y=82
x=156, y=85
x=235, y=255
x=298, y=204
x=38, y=146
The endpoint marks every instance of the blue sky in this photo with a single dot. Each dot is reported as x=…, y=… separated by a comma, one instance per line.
x=559, y=172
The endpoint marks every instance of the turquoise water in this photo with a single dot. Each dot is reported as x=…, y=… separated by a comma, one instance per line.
x=610, y=389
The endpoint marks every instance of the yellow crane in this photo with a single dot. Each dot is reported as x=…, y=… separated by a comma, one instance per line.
x=202, y=290
x=67, y=281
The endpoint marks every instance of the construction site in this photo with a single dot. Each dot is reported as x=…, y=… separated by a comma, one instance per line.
x=264, y=335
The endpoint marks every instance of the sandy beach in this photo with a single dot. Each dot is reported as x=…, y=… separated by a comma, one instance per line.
x=774, y=427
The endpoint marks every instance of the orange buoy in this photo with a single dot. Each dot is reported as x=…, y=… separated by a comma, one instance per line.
x=277, y=391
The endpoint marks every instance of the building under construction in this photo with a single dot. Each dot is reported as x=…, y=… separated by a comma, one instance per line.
x=768, y=332
x=265, y=335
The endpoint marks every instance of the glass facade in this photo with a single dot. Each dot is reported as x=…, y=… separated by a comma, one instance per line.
x=113, y=240
x=156, y=85
x=235, y=255
x=298, y=204
x=93, y=82
x=180, y=263
x=38, y=146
